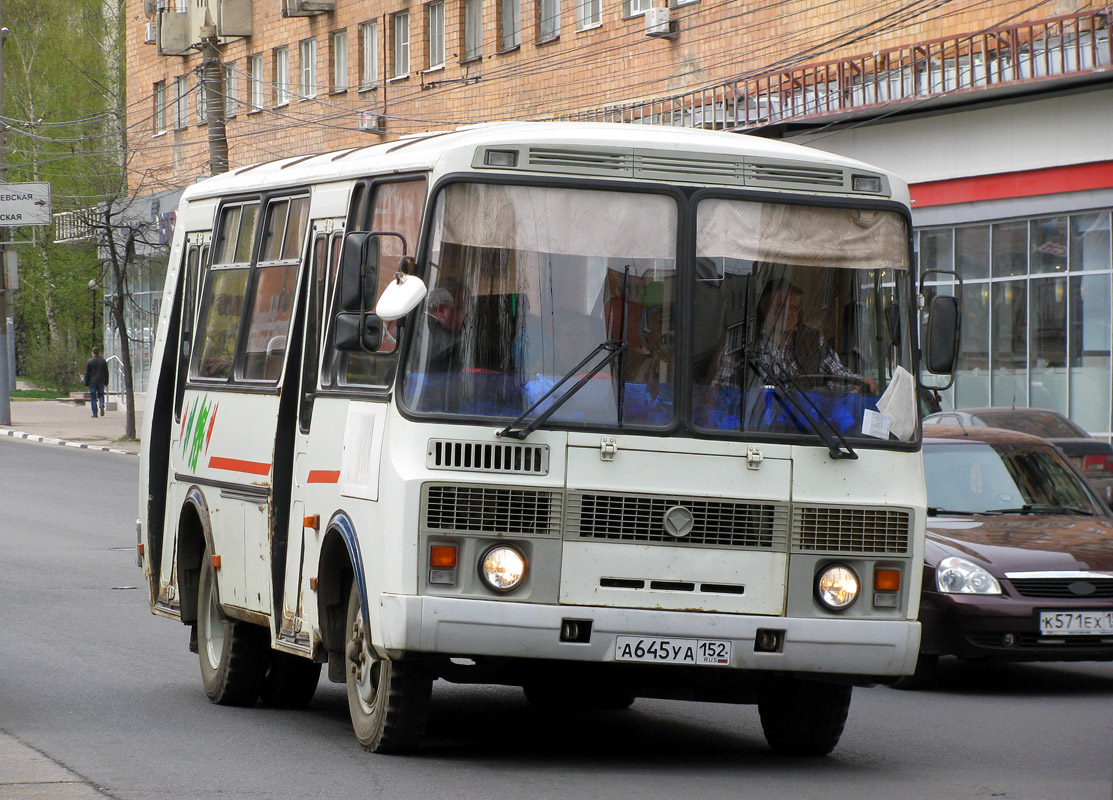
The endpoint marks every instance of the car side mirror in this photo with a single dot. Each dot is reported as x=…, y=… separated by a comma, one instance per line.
x=356, y=332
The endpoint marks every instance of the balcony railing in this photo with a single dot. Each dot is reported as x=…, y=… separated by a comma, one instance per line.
x=1071, y=45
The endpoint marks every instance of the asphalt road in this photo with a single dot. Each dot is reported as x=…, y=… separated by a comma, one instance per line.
x=90, y=679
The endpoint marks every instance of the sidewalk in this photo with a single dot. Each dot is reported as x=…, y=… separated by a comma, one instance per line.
x=73, y=425
x=27, y=774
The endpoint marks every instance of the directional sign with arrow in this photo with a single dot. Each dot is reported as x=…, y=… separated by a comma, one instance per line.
x=24, y=204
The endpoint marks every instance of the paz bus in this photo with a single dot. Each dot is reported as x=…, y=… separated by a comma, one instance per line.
x=493, y=406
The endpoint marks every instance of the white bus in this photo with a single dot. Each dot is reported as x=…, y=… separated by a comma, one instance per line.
x=601, y=411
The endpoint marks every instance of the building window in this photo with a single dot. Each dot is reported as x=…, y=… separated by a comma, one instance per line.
x=548, y=23
x=400, y=66
x=181, y=102
x=307, y=80
x=510, y=24
x=369, y=55
x=473, y=29
x=434, y=15
x=281, y=76
x=632, y=8
x=340, y=61
x=255, y=79
x=589, y=14
x=202, y=105
x=160, y=107
x=231, y=90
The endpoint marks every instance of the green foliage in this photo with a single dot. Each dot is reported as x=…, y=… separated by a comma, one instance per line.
x=55, y=365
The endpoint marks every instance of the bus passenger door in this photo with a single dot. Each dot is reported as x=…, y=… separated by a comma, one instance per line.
x=196, y=258
x=310, y=486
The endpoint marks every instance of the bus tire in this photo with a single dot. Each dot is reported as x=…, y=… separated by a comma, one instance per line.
x=388, y=700
x=290, y=682
x=233, y=655
x=803, y=718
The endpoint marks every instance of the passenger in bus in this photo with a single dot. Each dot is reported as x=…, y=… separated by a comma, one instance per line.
x=794, y=349
x=445, y=314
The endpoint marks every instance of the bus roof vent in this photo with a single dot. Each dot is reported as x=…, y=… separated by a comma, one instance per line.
x=835, y=529
x=688, y=168
x=502, y=457
x=582, y=161
x=794, y=175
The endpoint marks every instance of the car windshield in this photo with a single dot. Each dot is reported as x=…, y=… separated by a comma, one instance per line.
x=525, y=282
x=557, y=305
x=1044, y=425
x=978, y=478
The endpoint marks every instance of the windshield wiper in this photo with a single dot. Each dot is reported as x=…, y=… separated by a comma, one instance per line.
x=613, y=347
x=1043, y=508
x=835, y=441
x=935, y=511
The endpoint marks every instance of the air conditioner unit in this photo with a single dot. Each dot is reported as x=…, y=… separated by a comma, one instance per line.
x=306, y=8
x=657, y=23
x=372, y=122
x=150, y=33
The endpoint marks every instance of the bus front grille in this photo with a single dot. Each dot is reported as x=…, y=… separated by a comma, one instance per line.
x=835, y=529
x=504, y=457
x=489, y=509
x=641, y=519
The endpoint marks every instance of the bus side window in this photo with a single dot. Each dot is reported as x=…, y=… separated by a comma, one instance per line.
x=318, y=281
x=188, y=310
x=396, y=207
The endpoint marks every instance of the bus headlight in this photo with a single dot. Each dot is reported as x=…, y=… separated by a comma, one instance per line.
x=837, y=587
x=502, y=568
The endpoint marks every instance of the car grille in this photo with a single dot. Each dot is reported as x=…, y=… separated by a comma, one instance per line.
x=641, y=518
x=490, y=509
x=833, y=529
x=1061, y=587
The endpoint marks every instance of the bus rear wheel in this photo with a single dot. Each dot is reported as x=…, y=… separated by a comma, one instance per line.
x=803, y=718
x=388, y=700
x=233, y=655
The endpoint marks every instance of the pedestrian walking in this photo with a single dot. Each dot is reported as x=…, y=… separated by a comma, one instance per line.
x=96, y=378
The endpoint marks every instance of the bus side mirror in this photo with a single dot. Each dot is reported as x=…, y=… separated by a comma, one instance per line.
x=941, y=350
x=356, y=332
x=359, y=271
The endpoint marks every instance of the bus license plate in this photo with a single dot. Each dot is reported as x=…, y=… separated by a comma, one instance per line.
x=1076, y=623
x=673, y=651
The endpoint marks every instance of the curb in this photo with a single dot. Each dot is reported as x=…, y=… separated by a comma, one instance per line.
x=34, y=437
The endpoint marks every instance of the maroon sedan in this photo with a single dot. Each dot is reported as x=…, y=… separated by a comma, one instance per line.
x=1019, y=554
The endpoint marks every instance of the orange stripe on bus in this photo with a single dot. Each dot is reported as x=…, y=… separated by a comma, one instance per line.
x=323, y=476
x=236, y=465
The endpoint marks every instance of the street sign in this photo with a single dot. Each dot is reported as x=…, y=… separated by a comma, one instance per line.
x=24, y=204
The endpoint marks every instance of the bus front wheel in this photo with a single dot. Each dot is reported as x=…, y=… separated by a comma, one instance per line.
x=803, y=718
x=233, y=655
x=388, y=700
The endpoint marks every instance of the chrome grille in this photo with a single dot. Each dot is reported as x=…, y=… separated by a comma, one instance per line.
x=1061, y=587
x=641, y=519
x=834, y=529
x=489, y=509
x=511, y=459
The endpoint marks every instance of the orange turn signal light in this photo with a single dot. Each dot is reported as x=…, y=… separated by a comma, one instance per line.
x=313, y=521
x=215, y=561
x=886, y=580
x=442, y=556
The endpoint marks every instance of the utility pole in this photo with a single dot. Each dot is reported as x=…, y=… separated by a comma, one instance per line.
x=5, y=367
x=212, y=78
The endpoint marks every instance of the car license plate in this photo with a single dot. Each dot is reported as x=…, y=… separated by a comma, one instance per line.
x=1076, y=623
x=672, y=651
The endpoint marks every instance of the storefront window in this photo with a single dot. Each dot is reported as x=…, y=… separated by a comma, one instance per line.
x=1049, y=245
x=1090, y=341
x=972, y=378
x=1010, y=250
x=972, y=252
x=1047, y=352
x=1009, y=343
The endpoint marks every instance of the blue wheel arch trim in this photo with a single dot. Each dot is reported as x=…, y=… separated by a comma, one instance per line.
x=342, y=524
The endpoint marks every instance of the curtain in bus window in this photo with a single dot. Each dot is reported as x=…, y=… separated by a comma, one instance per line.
x=803, y=235
x=215, y=348
x=269, y=322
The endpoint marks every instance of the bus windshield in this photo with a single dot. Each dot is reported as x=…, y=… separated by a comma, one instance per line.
x=799, y=319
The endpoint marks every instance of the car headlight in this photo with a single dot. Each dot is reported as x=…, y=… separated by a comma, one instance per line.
x=956, y=575
x=837, y=587
x=502, y=568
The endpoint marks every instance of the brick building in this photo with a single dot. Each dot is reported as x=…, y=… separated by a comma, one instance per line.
x=999, y=113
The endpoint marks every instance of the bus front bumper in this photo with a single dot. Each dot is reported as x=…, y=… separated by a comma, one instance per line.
x=469, y=628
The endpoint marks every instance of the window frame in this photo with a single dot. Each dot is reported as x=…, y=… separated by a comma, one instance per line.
x=307, y=68
x=181, y=102
x=586, y=22
x=159, y=120
x=282, y=89
x=510, y=25
x=256, y=92
x=435, y=35
x=369, y=55
x=471, y=23
x=399, y=45
x=338, y=42
x=548, y=10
